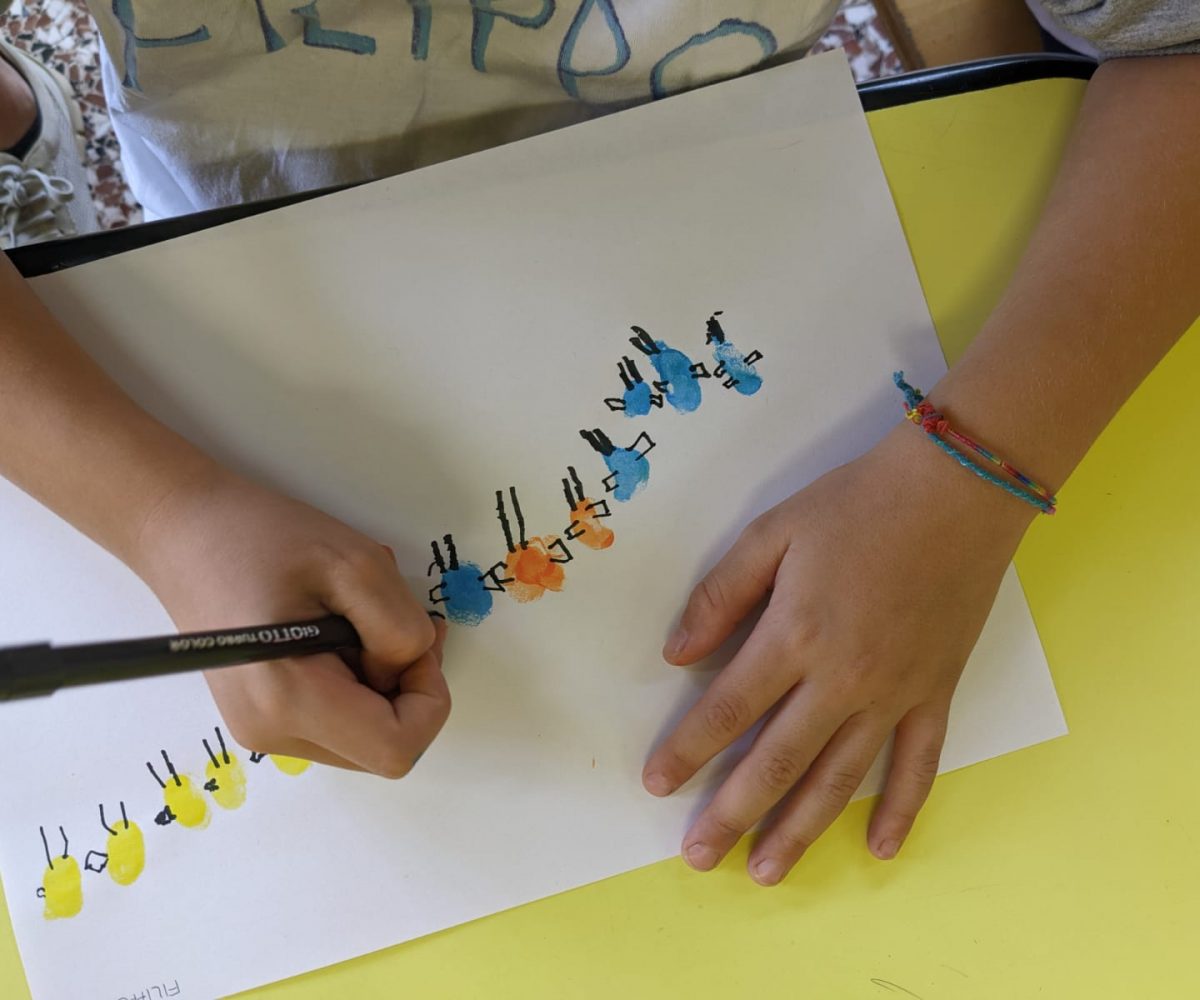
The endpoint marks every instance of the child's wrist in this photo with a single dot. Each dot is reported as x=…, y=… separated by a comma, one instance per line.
x=939, y=489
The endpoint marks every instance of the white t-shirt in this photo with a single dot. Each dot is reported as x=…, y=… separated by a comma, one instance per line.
x=222, y=101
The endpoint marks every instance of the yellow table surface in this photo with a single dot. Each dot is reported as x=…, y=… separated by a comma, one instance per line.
x=1065, y=871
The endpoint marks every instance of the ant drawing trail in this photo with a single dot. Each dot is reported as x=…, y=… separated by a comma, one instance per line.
x=533, y=565
x=124, y=854
x=463, y=593
x=62, y=882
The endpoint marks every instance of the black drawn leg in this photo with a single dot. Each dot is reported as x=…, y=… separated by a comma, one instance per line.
x=642, y=439
x=496, y=575
x=561, y=546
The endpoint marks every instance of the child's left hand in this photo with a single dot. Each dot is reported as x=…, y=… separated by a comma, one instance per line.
x=881, y=575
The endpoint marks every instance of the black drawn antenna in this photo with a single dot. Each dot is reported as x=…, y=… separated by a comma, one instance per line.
x=124, y=818
x=642, y=439
x=45, y=846
x=221, y=740
x=512, y=492
x=508, y=539
x=598, y=440
x=211, y=756
x=575, y=481
x=64, y=837
x=150, y=768
x=437, y=560
x=643, y=341
x=105, y=824
x=171, y=769
x=451, y=551
x=567, y=493
x=716, y=335
x=633, y=370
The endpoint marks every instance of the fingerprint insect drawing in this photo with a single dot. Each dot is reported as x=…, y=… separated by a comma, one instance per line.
x=533, y=566
x=528, y=568
x=124, y=854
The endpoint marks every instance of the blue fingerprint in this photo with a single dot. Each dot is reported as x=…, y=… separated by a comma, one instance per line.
x=748, y=380
x=637, y=400
x=632, y=472
x=467, y=600
x=675, y=368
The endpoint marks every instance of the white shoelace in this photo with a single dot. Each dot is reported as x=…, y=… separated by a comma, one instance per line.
x=32, y=205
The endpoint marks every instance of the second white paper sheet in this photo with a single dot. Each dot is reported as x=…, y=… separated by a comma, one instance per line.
x=395, y=355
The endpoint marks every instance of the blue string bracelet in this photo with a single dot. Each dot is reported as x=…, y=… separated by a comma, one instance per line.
x=921, y=412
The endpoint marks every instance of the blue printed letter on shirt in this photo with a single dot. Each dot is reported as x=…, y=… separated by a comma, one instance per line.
x=484, y=15
x=568, y=75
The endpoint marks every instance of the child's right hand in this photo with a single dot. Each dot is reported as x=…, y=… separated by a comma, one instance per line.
x=229, y=552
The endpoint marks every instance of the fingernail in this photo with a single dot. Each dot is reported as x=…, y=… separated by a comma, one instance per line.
x=768, y=872
x=675, y=644
x=701, y=857
x=658, y=784
x=888, y=849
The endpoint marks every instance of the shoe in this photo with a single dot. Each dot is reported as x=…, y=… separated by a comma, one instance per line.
x=45, y=196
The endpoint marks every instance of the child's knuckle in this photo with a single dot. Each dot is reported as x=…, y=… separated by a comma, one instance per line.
x=779, y=769
x=725, y=716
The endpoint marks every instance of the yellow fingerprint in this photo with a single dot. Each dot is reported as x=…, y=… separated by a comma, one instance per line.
x=63, y=889
x=185, y=802
x=126, y=853
x=227, y=778
x=290, y=765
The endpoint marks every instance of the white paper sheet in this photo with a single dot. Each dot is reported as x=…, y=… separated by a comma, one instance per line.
x=396, y=354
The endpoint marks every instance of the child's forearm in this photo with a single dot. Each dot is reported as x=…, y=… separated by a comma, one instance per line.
x=1110, y=279
x=70, y=436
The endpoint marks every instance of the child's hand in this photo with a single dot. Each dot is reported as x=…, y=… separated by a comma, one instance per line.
x=881, y=575
x=232, y=553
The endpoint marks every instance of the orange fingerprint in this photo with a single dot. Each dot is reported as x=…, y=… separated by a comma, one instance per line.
x=533, y=570
x=592, y=532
